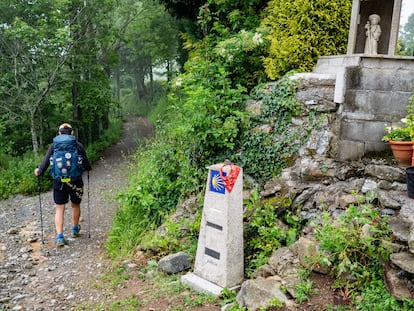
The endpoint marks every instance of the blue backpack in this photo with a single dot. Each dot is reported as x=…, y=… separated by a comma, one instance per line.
x=65, y=163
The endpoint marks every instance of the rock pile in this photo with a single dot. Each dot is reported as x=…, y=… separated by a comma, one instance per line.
x=324, y=191
x=318, y=182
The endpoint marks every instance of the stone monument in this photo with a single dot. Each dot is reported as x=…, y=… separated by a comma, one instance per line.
x=372, y=82
x=373, y=33
x=363, y=11
x=219, y=259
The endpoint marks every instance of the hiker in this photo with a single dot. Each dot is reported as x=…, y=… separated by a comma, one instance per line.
x=67, y=178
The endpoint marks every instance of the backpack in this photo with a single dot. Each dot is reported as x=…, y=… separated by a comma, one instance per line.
x=65, y=163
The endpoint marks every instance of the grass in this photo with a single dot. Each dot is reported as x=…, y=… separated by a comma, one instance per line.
x=151, y=287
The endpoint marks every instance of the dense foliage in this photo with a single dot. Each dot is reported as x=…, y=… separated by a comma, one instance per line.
x=264, y=153
x=78, y=61
x=301, y=31
x=406, y=38
x=51, y=54
x=59, y=60
x=356, y=246
x=206, y=121
x=209, y=125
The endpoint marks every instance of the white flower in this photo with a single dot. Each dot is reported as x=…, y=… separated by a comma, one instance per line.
x=257, y=38
x=222, y=52
x=178, y=82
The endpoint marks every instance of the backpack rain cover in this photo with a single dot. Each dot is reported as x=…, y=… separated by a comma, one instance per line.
x=65, y=163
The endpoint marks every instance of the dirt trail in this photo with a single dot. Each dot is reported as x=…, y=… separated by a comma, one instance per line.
x=36, y=276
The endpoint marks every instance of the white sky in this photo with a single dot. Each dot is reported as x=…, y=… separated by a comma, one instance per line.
x=406, y=10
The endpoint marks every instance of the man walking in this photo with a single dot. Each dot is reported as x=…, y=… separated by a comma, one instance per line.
x=66, y=171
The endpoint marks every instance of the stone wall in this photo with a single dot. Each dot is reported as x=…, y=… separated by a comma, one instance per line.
x=372, y=93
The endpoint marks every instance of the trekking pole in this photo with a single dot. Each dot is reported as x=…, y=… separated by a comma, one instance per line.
x=89, y=213
x=40, y=205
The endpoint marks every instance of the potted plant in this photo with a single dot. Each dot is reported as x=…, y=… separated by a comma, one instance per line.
x=400, y=138
x=397, y=134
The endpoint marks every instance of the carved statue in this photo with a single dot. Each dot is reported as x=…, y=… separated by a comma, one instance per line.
x=373, y=32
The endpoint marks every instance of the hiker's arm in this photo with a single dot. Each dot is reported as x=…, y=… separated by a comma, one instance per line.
x=45, y=163
x=86, y=164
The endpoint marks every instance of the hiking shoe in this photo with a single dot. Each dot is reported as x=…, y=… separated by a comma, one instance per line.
x=75, y=231
x=61, y=241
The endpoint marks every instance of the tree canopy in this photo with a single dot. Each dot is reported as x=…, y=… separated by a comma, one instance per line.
x=59, y=59
x=74, y=60
x=406, y=39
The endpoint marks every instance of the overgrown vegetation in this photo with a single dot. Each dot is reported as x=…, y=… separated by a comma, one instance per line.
x=266, y=229
x=236, y=48
x=210, y=125
x=356, y=245
x=206, y=121
x=263, y=153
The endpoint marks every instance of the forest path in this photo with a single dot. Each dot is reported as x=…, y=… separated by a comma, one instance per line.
x=36, y=276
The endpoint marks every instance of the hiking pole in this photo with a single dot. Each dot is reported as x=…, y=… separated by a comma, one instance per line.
x=89, y=213
x=40, y=205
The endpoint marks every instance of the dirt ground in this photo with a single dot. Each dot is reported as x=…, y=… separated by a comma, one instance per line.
x=39, y=276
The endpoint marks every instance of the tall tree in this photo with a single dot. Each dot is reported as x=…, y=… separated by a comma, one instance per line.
x=35, y=45
x=406, y=39
x=57, y=57
x=151, y=41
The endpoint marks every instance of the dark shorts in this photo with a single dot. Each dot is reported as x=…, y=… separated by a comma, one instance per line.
x=63, y=191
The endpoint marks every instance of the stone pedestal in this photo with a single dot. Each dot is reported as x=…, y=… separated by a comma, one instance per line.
x=219, y=258
x=372, y=92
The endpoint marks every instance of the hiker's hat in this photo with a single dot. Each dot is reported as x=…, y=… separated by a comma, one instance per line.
x=65, y=126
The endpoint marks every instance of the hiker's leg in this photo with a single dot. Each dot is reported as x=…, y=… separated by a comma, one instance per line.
x=76, y=192
x=76, y=212
x=59, y=218
x=61, y=197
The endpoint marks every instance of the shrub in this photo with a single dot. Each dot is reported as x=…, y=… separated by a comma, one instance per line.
x=302, y=31
x=265, y=229
x=375, y=297
x=18, y=177
x=349, y=250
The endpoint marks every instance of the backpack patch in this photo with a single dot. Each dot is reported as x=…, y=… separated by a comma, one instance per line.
x=65, y=163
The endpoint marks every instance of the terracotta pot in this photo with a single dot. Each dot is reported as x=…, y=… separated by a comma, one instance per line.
x=402, y=152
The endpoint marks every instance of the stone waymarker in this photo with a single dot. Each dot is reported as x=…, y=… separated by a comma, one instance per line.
x=219, y=258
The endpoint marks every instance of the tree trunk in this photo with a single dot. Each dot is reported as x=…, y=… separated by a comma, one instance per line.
x=140, y=84
x=34, y=134
x=118, y=84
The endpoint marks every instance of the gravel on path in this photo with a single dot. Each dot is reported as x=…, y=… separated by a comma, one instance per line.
x=37, y=276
